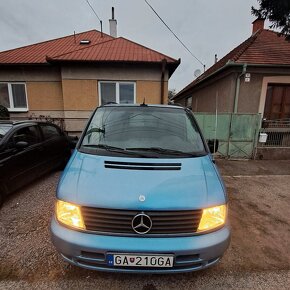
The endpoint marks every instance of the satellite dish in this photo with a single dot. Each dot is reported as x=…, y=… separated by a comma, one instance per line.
x=197, y=73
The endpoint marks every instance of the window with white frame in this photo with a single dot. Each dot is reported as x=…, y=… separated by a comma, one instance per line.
x=13, y=96
x=117, y=92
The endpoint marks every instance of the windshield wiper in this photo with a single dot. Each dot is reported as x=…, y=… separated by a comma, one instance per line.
x=164, y=151
x=113, y=149
x=95, y=130
x=103, y=146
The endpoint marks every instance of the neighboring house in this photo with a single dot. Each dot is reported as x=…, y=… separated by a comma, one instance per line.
x=253, y=78
x=70, y=76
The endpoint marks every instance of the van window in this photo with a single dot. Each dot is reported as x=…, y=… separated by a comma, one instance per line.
x=144, y=128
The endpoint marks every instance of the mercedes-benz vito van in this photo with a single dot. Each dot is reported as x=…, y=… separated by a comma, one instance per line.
x=141, y=193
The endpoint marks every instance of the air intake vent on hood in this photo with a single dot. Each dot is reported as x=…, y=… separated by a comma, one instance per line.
x=142, y=166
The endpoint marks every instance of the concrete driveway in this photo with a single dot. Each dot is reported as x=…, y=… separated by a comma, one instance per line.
x=258, y=258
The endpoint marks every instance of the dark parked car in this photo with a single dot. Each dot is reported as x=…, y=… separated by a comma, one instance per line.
x=29, y=149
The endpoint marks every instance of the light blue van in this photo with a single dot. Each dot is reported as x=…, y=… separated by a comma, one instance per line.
x=141, y=193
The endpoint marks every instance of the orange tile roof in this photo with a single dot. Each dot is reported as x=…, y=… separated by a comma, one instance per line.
x=265, y=47
x=101, y=48
x=117, y=49
x=36, y=53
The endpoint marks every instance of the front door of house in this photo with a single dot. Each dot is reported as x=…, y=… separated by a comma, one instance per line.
x=277, y=104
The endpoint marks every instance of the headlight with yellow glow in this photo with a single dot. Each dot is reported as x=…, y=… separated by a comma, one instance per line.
x=212, y=217
x=69, y=214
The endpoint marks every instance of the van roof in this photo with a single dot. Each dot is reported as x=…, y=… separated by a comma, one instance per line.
x=140, y=105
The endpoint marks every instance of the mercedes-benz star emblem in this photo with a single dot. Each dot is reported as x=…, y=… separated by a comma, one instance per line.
x=141, y=223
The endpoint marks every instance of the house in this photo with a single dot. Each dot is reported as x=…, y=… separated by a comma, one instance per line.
x=70, y=76
x=253, y=78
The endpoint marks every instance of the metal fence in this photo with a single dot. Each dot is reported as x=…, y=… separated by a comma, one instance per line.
x=237, y=133
x=278, y=133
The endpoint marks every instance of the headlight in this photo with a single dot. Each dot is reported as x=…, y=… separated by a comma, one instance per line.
x=69, y=214
x=212, y=217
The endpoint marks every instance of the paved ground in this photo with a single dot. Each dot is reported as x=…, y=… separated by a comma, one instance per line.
x=258, y=258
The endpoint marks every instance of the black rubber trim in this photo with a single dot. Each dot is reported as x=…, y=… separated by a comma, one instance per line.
x=141, y=163
x=141, y=168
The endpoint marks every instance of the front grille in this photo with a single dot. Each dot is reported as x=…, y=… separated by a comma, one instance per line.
x=142, y=165
x=120, y=221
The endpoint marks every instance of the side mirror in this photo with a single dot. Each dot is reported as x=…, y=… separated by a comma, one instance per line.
x=20, y=145
x=213, y=145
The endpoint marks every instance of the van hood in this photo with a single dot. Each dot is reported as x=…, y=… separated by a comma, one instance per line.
x=86, y=181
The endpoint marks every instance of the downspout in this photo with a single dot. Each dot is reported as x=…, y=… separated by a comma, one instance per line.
x=162, y=79
x=238, y=82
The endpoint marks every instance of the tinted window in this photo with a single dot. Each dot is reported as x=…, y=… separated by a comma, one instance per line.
x=49, y=131
x=4, y=128
x=27, y=134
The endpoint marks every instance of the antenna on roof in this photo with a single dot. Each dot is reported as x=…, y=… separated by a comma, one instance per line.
x=101, y=22
x=75, y=37
x=144, y=104
x=215, y=58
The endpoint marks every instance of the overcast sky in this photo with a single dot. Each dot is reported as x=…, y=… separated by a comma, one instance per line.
x=206, y=27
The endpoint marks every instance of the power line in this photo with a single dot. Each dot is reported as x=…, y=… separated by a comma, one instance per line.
x=101, y=22
x=93, y=10
x=175, y=34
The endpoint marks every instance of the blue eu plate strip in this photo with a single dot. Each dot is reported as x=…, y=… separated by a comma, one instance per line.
x=110, y=259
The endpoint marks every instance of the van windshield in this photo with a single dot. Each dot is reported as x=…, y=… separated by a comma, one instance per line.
x=145, y=131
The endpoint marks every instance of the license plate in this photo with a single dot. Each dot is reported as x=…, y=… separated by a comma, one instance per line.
x=136, y=260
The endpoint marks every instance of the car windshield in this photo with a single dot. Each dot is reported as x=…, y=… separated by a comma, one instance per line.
x=145, y=130
x=4, y=128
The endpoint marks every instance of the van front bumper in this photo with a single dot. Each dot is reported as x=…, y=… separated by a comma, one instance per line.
x=89, y=250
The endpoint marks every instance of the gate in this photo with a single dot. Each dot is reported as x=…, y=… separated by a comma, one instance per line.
x=237, y=133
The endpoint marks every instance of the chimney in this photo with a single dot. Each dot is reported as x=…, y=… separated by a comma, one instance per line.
x=113, y=25
x=258, y=24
